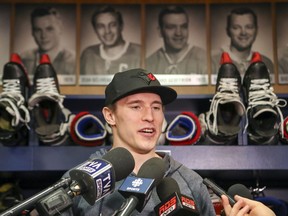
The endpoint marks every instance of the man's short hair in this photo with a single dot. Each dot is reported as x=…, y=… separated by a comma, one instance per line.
x=242, y=11
x=107, y=9
x=173, y=9
x=44, y=11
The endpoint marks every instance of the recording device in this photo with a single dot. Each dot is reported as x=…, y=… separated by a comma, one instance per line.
x=93, y=179
x=172, y=201
x=218, y=190
x=28, y=203
x=137, y=189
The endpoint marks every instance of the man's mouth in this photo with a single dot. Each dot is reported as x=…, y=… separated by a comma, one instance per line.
x=147, y=130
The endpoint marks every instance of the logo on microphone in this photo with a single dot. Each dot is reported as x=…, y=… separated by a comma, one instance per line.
x=137, y=182
x=189, y=203
x=168, y=207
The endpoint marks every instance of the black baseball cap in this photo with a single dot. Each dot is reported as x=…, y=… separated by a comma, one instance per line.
x=134, y=81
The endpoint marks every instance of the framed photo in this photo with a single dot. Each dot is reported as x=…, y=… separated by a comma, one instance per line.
x=240, y=30
x=5, y=14
x=110, y=41
x=49, y=29
x=176, y=43
x=282, y=41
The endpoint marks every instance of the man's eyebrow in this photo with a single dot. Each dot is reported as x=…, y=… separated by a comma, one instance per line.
x=157, y=102
x=140, y=101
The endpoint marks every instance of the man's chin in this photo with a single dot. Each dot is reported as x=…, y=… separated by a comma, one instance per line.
x=243, y=48
x=45, y=49
x=110, y=44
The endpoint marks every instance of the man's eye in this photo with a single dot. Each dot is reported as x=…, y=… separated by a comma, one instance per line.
x=99, y=26
x=169, y=27
x=250, y=27
x=157, y=108
x=113, y=24
x=235, y=27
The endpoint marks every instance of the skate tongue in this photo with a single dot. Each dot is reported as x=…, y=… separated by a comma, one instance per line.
x=229, y=116
x=47, y=130
x=256, y=57
x=45, y=59
x=225, y=59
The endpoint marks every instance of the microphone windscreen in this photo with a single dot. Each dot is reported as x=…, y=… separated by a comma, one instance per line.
x=154, y=168
x=239, y=189
x=122, y=162
x=166, y=187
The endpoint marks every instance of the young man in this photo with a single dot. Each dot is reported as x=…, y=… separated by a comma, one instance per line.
x=113, y=54
x=134, y=109
x=46, y=30
x=242, y=28
x=177, y=56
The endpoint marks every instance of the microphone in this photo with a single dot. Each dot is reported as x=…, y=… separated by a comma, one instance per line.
x=239, y=189
x=172, y=201
x=236, y=189
x=96, y=178
x=137, y=189
x=93, y=179
x=218, y=190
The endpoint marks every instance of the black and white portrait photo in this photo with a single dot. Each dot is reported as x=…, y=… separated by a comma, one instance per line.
x=282, y=41
x=240, y=30
x=110, y=41
x=176, y=43
x=5, y=13
x=47, y=29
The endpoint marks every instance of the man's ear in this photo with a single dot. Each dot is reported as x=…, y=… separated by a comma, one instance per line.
x=108, y=115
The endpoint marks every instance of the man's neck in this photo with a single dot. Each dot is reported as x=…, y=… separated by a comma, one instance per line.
x=175, y=55
x=241, y=54
x=52, y=53
x=111, y=51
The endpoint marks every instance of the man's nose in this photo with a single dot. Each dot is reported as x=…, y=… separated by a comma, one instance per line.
x=178, y=31
x=147, y=114
x=107, y=29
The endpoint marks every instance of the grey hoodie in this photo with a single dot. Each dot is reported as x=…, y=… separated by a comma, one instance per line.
x=190, y=183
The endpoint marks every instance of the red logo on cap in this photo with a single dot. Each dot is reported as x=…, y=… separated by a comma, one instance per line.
x=151, y=76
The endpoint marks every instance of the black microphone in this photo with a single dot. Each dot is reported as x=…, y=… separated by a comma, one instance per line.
x=218, y=190
x=137, y=189
x=239, y=189
x=172, y=201
x=96, y=178
x=93, y=180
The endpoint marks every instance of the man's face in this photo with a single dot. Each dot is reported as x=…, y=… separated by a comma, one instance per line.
x=46, y=31
x=242, y=31
x=175, y=31
x=108, y=29
x=138, y=120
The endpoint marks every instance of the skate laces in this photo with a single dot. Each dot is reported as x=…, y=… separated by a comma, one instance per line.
x=262, y=93
x=227, y=92
x=12, y=95
x=46, y=85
